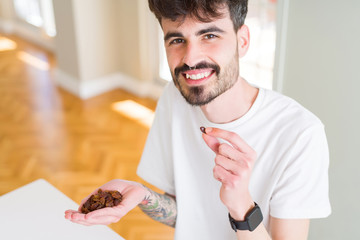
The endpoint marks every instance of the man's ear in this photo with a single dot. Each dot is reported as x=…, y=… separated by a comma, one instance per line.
x=243, y=38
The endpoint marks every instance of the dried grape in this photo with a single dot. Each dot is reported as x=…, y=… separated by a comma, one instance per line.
x=102, y=199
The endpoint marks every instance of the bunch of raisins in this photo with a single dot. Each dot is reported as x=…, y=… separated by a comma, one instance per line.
x=101, y=200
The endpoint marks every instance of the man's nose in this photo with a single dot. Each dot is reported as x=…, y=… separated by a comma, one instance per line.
x=193, y=54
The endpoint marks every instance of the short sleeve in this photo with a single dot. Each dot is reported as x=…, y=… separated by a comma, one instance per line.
x=303, y=189
x=156, y=166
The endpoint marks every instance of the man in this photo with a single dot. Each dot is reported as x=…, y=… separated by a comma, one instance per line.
x=262, y=160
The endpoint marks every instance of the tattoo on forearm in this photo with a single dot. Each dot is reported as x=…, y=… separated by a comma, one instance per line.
x=160, y=207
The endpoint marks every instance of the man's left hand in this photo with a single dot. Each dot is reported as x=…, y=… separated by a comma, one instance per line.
x=233, y=168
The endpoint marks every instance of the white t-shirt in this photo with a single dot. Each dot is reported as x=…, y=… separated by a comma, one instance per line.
x=289, y=178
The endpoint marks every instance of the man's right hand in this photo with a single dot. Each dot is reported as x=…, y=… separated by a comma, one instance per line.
x=133, y=194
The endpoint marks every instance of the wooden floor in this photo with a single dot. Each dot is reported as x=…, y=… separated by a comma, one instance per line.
x=76, y=145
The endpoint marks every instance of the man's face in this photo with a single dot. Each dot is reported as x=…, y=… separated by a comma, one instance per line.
x=203, y=57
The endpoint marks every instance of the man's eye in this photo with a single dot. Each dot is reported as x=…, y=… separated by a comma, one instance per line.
x=177, y=41
x=210, y=36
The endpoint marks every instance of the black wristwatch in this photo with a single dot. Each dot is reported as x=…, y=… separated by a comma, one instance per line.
x=252, y=219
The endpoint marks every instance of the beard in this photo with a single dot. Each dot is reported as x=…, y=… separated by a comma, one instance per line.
x=223, y=80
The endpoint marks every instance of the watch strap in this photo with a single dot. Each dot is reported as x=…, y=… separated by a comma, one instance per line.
x=252, y=219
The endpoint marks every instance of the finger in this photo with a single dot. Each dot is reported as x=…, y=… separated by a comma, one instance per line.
x=221, y=174
x=228, y=151
x=81, y=222
x=212, y=142
x=80, y=218
x=231, y=137
x=228, y=164
x=75, y=216
x=69, y=213
x=86, y=219
x=104, y=220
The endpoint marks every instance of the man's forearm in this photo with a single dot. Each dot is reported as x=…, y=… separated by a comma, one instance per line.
x=160, y=207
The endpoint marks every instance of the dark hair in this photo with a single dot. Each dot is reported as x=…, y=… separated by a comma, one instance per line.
x=202, y=10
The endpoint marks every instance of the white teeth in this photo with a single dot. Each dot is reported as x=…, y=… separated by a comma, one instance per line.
x=198, y=76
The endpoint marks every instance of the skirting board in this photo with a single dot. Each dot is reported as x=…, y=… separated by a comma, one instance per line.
x=94, y=87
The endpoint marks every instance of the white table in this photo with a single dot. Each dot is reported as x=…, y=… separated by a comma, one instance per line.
x=36, y=212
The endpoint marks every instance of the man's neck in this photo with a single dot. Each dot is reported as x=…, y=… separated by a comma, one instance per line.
x=232, y=104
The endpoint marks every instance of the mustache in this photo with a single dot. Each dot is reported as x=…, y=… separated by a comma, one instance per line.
x=200, y=65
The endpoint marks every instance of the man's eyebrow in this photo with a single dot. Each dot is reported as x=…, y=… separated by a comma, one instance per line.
x=199, y=33
x=209, y=29
x=172, y=34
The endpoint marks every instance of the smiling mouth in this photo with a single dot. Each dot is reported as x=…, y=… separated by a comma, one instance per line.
x=197, y=77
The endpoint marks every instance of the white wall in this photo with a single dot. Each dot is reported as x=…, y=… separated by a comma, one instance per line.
x=103, y=45
x=65, y=40
x=6, y=10
x=96, y=35
x=322, y=71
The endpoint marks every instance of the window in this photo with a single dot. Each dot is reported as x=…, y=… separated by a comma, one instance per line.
x=38, y=13
x=258, y=64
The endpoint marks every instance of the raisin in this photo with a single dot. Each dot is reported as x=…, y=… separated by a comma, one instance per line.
x=95, y=206
x=116, y=202
x=115, y=194
x=102, y=199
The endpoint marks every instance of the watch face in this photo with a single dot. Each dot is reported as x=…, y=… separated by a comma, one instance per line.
x=254, y=218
